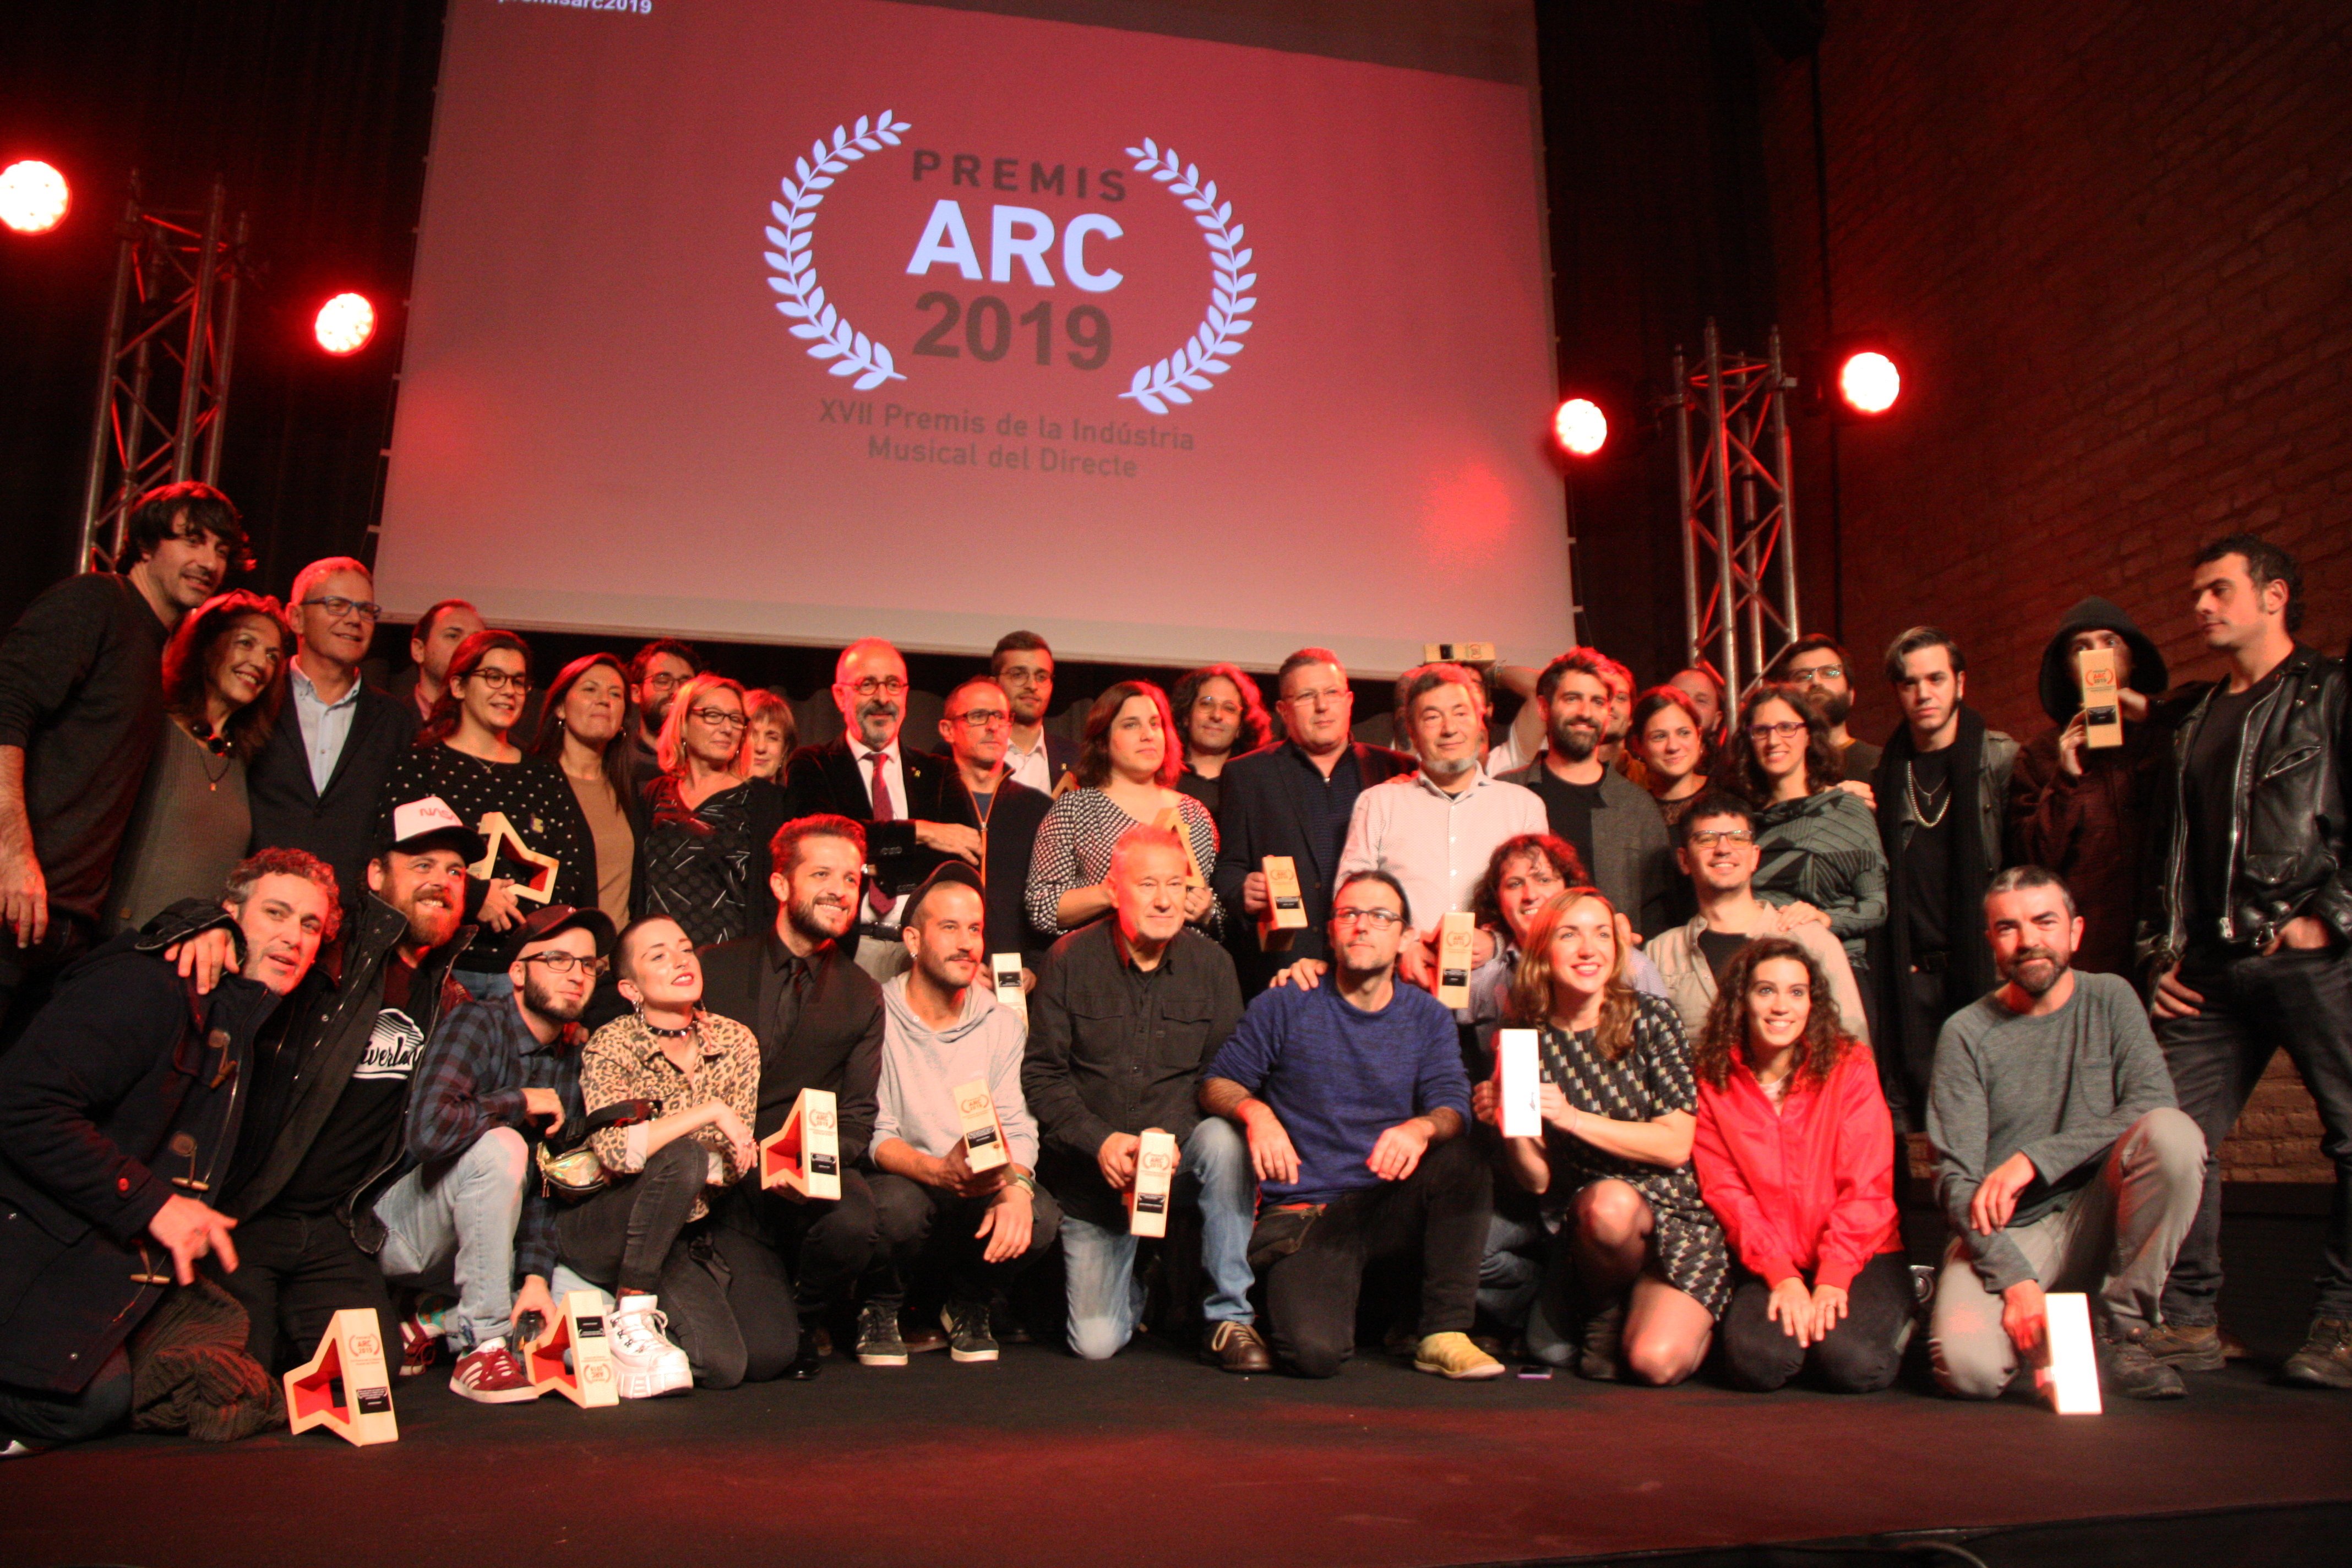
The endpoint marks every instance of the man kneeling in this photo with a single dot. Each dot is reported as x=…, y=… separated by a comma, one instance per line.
x=2062, y=1160
x=1354, y=1099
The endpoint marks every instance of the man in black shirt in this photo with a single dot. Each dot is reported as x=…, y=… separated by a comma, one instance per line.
x=975, y=722
x=81, y=704
x=1127, y=1013
x=1824, y=672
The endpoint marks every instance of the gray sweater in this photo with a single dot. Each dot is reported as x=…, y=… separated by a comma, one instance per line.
x=922, y=1068
x=2059, y=1088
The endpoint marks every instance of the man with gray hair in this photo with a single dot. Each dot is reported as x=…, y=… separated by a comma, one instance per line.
x=2063, y=1161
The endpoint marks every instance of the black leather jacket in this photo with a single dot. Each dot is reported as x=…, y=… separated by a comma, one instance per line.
x=2288, y=835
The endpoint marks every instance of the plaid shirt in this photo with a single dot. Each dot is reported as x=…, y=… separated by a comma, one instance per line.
x=470, y=1079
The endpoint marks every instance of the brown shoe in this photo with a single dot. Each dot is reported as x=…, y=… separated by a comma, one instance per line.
x=1237, y=1347
x=2184, y=1347
x=921, y=1334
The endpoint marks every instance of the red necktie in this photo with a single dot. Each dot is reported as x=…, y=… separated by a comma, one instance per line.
x=884, y=811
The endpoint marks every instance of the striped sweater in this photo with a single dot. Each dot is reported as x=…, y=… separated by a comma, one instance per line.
x=1824, y=849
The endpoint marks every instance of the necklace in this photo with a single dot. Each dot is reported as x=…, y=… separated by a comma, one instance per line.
x=216, y=746
x=660, y=1033
x=1919, y=811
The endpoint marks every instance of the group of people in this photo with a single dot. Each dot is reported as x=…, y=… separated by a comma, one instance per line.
x=448, y=996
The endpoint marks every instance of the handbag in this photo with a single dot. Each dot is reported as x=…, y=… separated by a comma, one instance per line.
x=569, y=1169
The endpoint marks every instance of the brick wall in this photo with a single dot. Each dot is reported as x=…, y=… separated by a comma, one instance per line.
x=2112, y=245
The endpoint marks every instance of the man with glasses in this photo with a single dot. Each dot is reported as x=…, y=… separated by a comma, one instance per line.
x=1823, y=672
x=1353, y=1100
x=1295, y=799
x=976, y=721
x=917, y=811
x=320, y=778
x=1718, y=853
x=1024, y=666
x=655, y=672
x=472, y=1216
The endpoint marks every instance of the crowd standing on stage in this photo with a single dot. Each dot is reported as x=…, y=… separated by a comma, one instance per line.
x=448, y=997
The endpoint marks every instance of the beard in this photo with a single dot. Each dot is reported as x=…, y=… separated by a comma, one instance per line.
x=804, y=919
x=1575, y=741
x=431, y=922
x=536, y=999
x=2034, y=969
x=1832, y=706
x=1447, y=767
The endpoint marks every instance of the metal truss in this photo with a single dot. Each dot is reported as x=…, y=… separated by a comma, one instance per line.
x=1739, y=546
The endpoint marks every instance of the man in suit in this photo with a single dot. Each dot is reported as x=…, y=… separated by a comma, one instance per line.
x=917, y=811
x=1294, y=798
x=318, y=783
x=975, y=724
x=1024, y=666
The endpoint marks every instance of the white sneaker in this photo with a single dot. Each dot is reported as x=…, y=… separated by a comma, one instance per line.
x=644, y=1361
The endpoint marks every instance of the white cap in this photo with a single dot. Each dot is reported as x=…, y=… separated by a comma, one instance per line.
x=417, y=823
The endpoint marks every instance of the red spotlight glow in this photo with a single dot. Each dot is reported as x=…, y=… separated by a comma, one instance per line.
x=1869, y=382
x=1581, y=428
x=345, y=324
x=33, y=196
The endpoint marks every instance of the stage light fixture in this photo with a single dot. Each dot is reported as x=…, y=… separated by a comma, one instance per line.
x=33, y=196
x=1581, y=428
x=345, y=324
x=1868, y=382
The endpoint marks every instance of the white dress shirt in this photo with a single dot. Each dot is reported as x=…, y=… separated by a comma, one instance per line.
x=325, y=725
x=1436, y=844
x=1029, y=767
x=895, y=774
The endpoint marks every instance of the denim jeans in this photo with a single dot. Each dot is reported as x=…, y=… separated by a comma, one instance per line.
x=451, y=1226
x=1105, y=1298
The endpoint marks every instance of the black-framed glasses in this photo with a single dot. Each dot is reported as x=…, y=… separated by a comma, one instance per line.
x=717, y=718
x=1788, y=729
x=337, y=606
x=500, y=679
x=880, y=686
x=1708, y=838
x=565, y=963
x=984, y=718
x=1378, y=920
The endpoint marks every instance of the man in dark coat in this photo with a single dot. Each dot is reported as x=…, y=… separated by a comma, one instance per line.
x=118, y=1113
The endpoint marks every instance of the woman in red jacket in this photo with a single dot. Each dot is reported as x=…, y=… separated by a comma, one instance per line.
x=1795, y=1152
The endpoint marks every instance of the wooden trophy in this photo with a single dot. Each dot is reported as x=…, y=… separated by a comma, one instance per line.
x=1004, y=977
x=1457, y=933
x=345, y=1387
x=983, y=1135
x=579, y=1327
x=1457, y=653
x=1520, y=1083
x=1173, y=819
x=532, y=873
x=2103, y=714
x=803, y=1155
x=1286, y=907
x=2072, y=1379
x=1155, y=1179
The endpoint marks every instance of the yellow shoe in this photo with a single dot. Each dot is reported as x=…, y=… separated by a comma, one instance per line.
x=1452, y=1355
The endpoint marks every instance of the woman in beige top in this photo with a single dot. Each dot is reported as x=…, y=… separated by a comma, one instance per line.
x=580, y=727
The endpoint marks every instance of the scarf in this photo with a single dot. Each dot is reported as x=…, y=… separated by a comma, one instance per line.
x=1972, y=973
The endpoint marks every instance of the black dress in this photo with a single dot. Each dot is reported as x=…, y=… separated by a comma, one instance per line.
x=532, y=794
x=706, y=866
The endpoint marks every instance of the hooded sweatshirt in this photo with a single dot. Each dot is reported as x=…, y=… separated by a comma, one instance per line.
x=922, y=1068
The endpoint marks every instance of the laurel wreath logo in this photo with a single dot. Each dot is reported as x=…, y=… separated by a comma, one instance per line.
x=1187, y=371
x=827, y=331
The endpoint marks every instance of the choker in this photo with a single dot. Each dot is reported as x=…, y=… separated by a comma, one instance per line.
x=660, y=1033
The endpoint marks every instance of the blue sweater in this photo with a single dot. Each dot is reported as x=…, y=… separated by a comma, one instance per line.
x=1339, y=1077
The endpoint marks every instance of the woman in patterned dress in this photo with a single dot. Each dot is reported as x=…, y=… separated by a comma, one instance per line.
x=1613, y=1165
x=708, y=828
x=1127, y=769
x=1817, y=843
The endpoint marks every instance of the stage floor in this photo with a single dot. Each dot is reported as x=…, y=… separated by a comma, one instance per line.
x=1153, y=1460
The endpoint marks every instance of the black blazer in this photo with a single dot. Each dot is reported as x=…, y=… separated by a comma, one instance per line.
x=1012, y=823
x=338, y=826
x=1061, y=756
x=837, y=1044
x=1265, y=812
x=821, y=779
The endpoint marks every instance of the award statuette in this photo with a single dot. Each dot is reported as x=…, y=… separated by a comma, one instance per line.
x=1004, y=977
x=1519, y=1082
x=2071, y=1378
x=1286, y=907
x=983, y=1135
x=1457, y=932
x=532, y=873
x=579, y=1327
x=803, y=1155
x=1457, y=653
x=1173, y=819
x=345, y=1387
x=2103, y=714
x=1155, y=1179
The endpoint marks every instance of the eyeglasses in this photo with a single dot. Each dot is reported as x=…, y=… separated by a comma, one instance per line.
x=1378, y=920
x=1788, y=729
x=500, y=679
x=880, y=686
x=1819, y=673
x=717, y=718
x=1708, y=838
x=982, y=718
x=565, y=963
x=1327, y=698
x=337, y=608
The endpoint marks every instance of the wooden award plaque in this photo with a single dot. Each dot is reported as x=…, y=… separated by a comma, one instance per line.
x=1173, y=819
x=1457, y=933
x=983, y=1135
x=2072, y=1379
x=1286, y=907
x=345, y=1387
x=579, y=1327
x=2103, y=714
x=803, y=1155
x=1519, y=1082
x=1005, y=977
x=532, y=873
x=1457, y=653
x=1155, y=1180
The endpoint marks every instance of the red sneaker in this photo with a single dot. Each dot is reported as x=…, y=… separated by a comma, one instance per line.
x=420, y=1347
x=491, y=1375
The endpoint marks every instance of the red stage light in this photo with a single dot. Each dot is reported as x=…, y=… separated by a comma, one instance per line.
x=345, y=324
x=1869, y=382
x=33, y=196
x=1581, y=428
